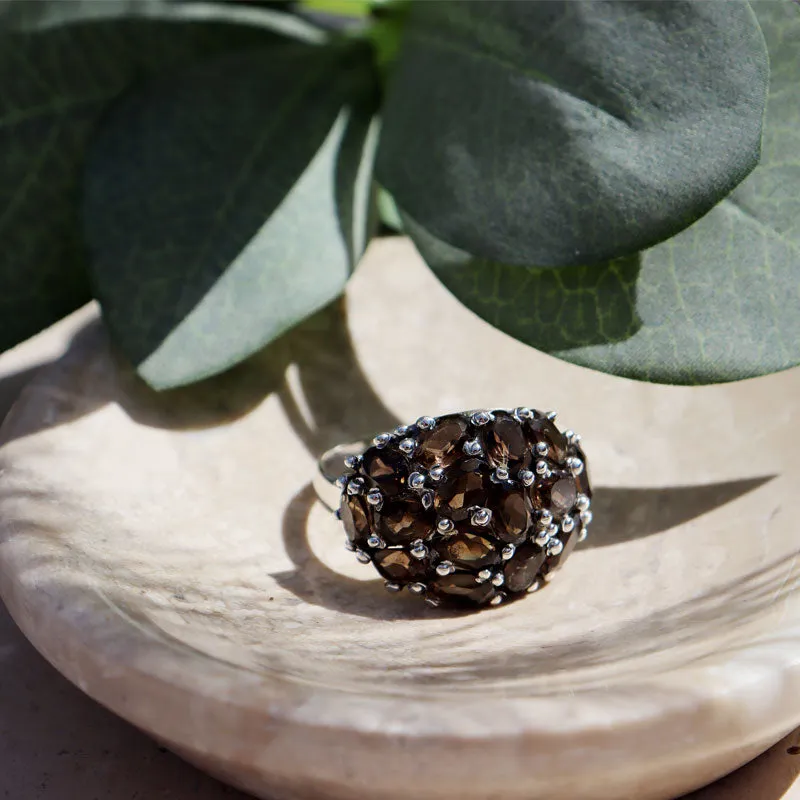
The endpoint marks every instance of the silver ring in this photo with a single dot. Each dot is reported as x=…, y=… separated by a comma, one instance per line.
x=470, y=509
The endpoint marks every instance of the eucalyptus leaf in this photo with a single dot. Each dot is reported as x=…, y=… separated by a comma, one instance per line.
x=55, y=84
x=718, y=302
x=229, y=203
x=573, y=132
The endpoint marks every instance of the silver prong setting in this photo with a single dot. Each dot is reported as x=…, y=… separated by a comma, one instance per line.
x=363, y=557
x=418, y=549
x=392, y=587
x=427, y=500
x=542, y=449
x=582, y=535
x=575, y=465
x=480, y=418
x=551, y=415
x=526, y=477
x=496, y=600
x=417, y=588
x=408, y=446
x=481, y=517
x=483, y=576
x=541, y=468
x=567, y=524
x=586, y=518
x=555, y=547
x=473, y=447
x=522, y=413
x=382, y=439
x=500, y=475
x=426, y=423
x=582, y=502
x=355, y=486
x=542, y=537
x=376, y=543
x=445, y=568
x=498, y=579
x=352, y=462
x=508, y=552
x=436, y=473
x=545, y=517
x=445, y=525
x=416, y=480
x=375, y=498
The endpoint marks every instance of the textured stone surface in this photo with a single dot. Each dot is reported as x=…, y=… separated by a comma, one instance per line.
x=143, y=537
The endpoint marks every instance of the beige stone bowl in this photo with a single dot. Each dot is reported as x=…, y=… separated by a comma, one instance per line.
x=167, y=554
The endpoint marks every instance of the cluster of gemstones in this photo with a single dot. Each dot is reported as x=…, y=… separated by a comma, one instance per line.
x=468, y=509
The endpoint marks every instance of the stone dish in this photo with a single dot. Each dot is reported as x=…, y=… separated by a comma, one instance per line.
x=166, y=553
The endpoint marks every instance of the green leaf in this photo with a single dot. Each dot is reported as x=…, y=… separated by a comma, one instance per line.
x=229, y=203
x=568, y=133
x=54, y=85
x=719, y=302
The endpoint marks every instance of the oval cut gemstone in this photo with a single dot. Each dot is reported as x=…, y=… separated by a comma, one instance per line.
x=557, y=493
x=511, y=515
x=466, y=486
x=387, y=467
x=523, y=568
x=399, y=566
x=442, y=445
x=505, y=444
x=401, y=520
x=468, y=550
x=461, y=588
x=541, y=429
x=354, y=515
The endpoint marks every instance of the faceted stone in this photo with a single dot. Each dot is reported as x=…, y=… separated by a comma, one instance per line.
x=541, y=429
x=582, y=480
x=522, y=569
x=557, y=493
x=387, y=467
x=465, y=486
x=355, y=517
x=399, y=566
x=461, y=588
x=569, y=540
x=403, y=519
x=468, y=550
x=511, y=514
x=442, y=445
x=505, y=444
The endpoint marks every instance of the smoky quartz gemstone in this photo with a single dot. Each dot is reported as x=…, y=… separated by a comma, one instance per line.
x=468, y=509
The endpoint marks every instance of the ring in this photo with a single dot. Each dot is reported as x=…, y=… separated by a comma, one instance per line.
x=468, y=509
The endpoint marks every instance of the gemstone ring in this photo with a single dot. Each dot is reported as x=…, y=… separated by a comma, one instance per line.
x=468, y=509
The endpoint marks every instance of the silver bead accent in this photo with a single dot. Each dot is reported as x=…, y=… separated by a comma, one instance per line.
x=481, y=418
x=426, y=423
x=445, y=568
x=337, y=513
x=542, y=537
x=582, y=535
x=545, y=517
x=498, y=579
x=586, y=518
x=572, y=438
x=362, y=557
x=523, y=412
x=341, y=482
x=483, y=576
x=349, y=546
x=376, y=542
x=481, y=517
x=401, y=430
x=552, y=529
x=496, y=600
x=575, y=465
x=582, y=502
x=436, y=473
x=526, y=477
x=534, y=587
x=427, y=500
x=352, y=462
x=551, y=415
x=392, y=587
x=541, y=448
x=555, y=547
x=355, y=486
x=416, y=480
x=408, y=446
x=541, y=468
x=473, y=448
x=417, y=588
x=567, y=524
x=418, y=549
x=501, y=474
x=445, y=525
x=549, y=576
x=508, y=552
x=374, y=497
x=433, y=601
x=382, y=439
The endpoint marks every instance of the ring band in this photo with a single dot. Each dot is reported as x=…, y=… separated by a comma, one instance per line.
x=468, y=509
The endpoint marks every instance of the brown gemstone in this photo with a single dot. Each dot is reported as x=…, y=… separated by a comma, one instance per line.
x=461, y=588
x=466, y=485
x=404, y=519
x=442, y=445
x=399, y=566
x=569, y=540
x=468, y=550
x=541, y=429
x=505, y=444
x=582, y=480
x=387, y=467
x=523, y=568
x=557, y=493
x=354, y=515
x=511, y=514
